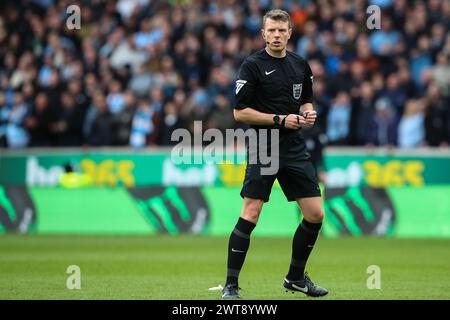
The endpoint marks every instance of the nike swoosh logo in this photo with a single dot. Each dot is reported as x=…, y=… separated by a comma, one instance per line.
x=302, y=289
x=267, y=73
x=234, y=250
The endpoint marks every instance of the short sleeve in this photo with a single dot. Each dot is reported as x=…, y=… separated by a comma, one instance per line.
x=245, y=85
x=307, y=92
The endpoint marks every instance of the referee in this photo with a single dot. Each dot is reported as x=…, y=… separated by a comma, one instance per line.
x=274, y=91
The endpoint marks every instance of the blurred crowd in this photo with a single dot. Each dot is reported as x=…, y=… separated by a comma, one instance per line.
x=139, y=69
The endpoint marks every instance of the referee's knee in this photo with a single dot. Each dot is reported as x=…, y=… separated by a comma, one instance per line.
x=315, y=216
x=251, y=210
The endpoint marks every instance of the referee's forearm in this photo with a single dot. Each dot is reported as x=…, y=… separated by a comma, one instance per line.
x=251, y=116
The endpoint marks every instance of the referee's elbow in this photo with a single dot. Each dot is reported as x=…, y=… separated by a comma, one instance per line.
x=237, y=115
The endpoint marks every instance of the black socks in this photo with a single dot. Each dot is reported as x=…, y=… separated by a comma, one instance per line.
x=237, y=249
x=302, y=245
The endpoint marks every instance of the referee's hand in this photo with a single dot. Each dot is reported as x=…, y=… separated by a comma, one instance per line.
x=297, y=121
x=310, y=117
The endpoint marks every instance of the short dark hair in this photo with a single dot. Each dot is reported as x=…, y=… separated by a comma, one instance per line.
x=277, y=15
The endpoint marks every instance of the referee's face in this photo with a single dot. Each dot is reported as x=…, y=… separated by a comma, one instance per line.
x=276, y=35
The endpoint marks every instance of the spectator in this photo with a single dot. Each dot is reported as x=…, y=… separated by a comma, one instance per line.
x=157, y=98
x=384, y=42
x=127, y=54
x=148, y=34
x=68, y=126
x=167, y=79
x=143, y=124
x=384, y=125
x=75, y=88
x=25, y=72
x=141, y=82
x=29, y=93
x=3, y=120
x=362, y=115
x=39, y=121
x=338, y=122
x=395, y=93
x=170, y=122
x=440, y=73
x=99, y=130
x=12, y=120
x=222, y=115
x=436, y=114
x=411, y=131
x=421, y=60
x=121, y=121
x=116, y=98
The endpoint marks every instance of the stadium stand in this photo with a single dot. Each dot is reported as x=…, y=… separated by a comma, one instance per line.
x=139, y=69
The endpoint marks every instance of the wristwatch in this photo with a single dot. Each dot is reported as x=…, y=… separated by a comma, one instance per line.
x=276, y=119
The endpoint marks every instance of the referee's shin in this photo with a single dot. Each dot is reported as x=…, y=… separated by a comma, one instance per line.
x=238, y=245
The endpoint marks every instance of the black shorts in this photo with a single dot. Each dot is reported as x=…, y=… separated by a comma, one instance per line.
x=298, y=179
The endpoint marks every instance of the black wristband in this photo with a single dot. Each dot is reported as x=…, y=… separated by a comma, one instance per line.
x=283, y=121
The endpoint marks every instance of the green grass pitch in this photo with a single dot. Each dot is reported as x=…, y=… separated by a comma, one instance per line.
x=184, y=267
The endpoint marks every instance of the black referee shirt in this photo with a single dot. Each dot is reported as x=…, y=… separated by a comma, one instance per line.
x=276, y=85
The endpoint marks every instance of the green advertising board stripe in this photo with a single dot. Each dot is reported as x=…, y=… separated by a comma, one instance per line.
x=278, y=217
x=399, y=212
x=421, y=212
x=88, y=211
